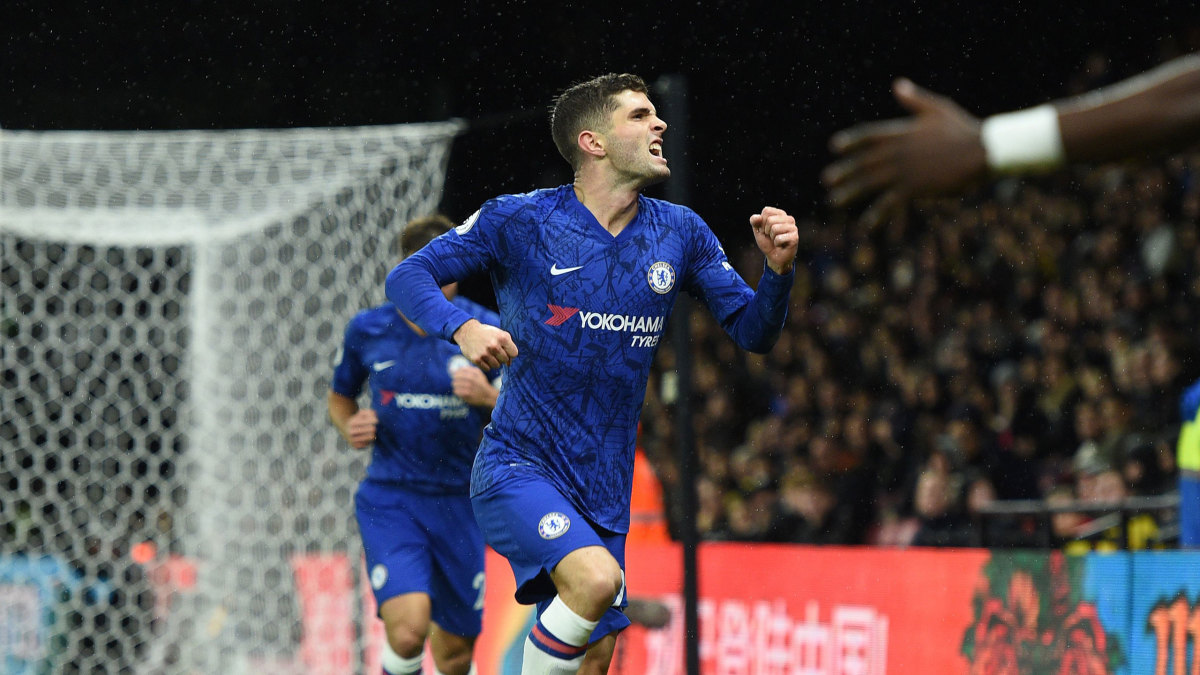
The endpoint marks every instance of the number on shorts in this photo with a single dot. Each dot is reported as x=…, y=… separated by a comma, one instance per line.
x=478, y=585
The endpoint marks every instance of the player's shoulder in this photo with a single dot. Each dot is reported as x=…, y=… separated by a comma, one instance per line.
x=476, y=310
x=534, y=202
x=539, y=196
x=668, y=212
x=376, y=320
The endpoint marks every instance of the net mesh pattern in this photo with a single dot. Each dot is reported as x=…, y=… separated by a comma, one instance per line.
x=170, y=307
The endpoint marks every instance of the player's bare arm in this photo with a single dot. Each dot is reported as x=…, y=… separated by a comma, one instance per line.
x=942, y=149
x=777, y=237
x=472, y=386
x=356, y=425
x=486, y=346
x=1154, y=111
x=936, y=151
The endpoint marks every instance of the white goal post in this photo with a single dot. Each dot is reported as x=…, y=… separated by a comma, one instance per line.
x=174, y=499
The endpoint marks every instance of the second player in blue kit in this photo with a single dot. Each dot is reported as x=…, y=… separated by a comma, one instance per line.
x=428, y=405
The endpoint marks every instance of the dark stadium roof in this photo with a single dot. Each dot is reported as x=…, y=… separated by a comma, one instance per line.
x=769, y=81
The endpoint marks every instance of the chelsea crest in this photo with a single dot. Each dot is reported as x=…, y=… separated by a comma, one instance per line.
x=661, y=277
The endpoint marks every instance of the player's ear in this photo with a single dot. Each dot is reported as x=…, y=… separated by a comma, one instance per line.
x=591, y=143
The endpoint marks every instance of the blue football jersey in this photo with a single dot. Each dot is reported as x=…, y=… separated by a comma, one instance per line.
x=427, y=437
x=587, y=311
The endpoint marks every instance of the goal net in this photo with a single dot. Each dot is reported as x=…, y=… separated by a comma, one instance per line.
x=174, y=499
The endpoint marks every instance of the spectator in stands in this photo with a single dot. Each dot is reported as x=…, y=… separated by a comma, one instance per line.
x=750, y=515
x=808, y=514
x=1148, y=466
x=1065, y=526
x=1105, y=532
x=990, y=530
x=849, y=487
x=1116, y=421
x=711, y=521
x=940, y=521
x=892, y=467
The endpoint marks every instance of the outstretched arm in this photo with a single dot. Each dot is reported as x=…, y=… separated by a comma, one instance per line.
x=942, y=149
x=1157, y=110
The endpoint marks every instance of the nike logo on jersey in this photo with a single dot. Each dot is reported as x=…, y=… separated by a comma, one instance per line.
x=555, y=270
x=382, y=365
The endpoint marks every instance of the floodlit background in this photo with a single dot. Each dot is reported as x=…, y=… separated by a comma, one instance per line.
x=175, y=285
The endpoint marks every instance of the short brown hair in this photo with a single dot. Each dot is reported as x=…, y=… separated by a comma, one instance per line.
x=421, y=231
x=586, y=106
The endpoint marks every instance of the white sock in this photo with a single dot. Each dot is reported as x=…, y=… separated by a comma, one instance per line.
x=394, y=664
x=558, y=641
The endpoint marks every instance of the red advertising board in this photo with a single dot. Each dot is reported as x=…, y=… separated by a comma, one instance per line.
x=797, y=610
x=781, y=609
x=764, y=610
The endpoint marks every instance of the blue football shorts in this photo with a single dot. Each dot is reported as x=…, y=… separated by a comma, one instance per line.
x=526, y=520
x=416, y=542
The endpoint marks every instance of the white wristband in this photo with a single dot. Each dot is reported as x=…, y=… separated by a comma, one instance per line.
x=1026, y=140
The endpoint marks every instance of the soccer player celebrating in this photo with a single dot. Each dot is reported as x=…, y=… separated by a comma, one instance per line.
x=585, y=276
x=424, y=552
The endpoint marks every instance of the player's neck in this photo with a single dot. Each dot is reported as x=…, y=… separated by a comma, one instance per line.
x=613, y=207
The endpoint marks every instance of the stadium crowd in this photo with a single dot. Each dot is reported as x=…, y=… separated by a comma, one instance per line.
x=1029, y=342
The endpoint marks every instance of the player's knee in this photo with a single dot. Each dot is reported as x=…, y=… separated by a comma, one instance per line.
x=600, y=583
x=588, y=580
x=405, y=639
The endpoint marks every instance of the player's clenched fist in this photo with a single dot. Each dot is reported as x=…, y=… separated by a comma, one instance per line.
x=472, y=386
x=777, y=237
x=360, y=428
x=486, y=346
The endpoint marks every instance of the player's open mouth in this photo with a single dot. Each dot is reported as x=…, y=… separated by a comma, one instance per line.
x=656, y=150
